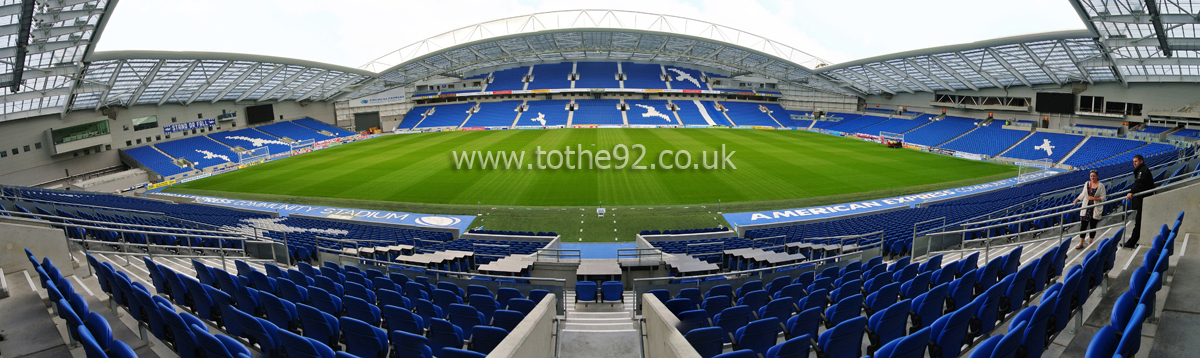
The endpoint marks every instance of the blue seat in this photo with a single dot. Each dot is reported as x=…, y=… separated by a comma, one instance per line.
x=1123, y=309
x=393, y=298
x=414, y=291
x=961, y=291
x=694, y=319
x=945, y=274
x=361, y=310
x=846, y=289
x=291, y=292
x=1014, y=294
x=748, y=287
x=263, y=283
x=1109, y=342
x=950, y=332
x=318, y=325
x=397, y=318
x=612, y=291
x=845, y=309
x=906, y=273
x=693, y=294
x=262, y=332
x=248, y=301
x=715, y=304
x=302, y=347
x=508, y=320
x=90, y=347
x=1037, y=318
x=706, y=341
x=327, y=284
x=220, y=346
x=887, y=325
x=1037, y=279
x=525, y=306
x=325, y=301
x=585, y=291
x=679, y=305
x=815, y=299
x=479, y=290
x=507, y=293
x=987, y=311
x=148, y=311
x=881, y=298
x=460, y=353
x=443, y=334
x=1148, y=294
x=772, y=288
x=1002, y=346
x=843, y=340
x=444, y=298
x=281, y=313
x=720, y=290
x=927, y=307
x=405, y=344
x=354, y=289
x=910, y=346
x=759, y=335
x=745, y=353
x=756, y=300
x=486, y=338
x=795, y=291
x=465, y=317
x=792, y=348
x=805, y=323
x=823, y=283
x=780, y=309
x=731, y=319
x=989, y=275
x=99, y=329
x=931, y=265
x=363, y=339
x=178, y=334
x=227, y=283
x=448, y=286
x=299, y=278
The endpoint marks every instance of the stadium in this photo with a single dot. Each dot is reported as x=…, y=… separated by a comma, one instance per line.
x=603, y=183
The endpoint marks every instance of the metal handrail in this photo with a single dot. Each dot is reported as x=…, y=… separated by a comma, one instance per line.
x=120, y=224
x=122, y=230
x=16, y=198
x=558, y=256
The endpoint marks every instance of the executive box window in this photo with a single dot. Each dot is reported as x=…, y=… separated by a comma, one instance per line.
x=37, y=145
x=1129, y=109
x=145, y=123
x=79, y=132
x=26, y=149
x=3, y=154
x=1092, y=104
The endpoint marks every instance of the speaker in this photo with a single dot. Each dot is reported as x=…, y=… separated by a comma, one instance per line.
x=110, y=112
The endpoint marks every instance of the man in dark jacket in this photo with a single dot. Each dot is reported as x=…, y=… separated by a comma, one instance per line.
x=1143, y=181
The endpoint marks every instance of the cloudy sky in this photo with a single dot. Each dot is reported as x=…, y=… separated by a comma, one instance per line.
x=354, y=32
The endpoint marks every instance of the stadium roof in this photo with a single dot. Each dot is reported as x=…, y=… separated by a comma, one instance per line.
x=126, y=78
x=593, y=35
x=1125, y=42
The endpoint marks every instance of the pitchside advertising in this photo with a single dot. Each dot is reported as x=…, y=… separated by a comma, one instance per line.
x=459, y=222
x=827, y=212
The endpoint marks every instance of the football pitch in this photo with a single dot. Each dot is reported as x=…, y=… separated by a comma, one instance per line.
x=774, y=169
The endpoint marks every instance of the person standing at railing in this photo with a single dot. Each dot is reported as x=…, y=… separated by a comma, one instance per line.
x=1143, y=180
x=1089, y=218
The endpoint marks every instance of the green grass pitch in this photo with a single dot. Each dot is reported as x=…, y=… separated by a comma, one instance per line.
x=775, y=169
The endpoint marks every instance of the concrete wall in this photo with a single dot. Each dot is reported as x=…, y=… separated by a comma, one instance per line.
x=1152, y=96
x=40, y=165
x=1163, y=208
x=534, y=337
x=664, y=340
x=43, y=240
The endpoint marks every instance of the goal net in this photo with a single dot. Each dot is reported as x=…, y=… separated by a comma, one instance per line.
x=253, y=155
x=894, y=140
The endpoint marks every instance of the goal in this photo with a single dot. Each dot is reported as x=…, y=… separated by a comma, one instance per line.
x=892, y=140
x=253, y=155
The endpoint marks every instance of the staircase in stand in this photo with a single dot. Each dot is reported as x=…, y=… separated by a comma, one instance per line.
x=602, y=330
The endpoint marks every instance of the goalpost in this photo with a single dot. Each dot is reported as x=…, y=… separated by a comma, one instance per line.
x=253, y=155
x=895, y=140
x=1025, y=168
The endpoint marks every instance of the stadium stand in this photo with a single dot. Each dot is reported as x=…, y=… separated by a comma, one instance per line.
x=685, y=78
x=938, y=132
x=597, y=75
x=155, y=160
x=1096, y=149
x=597, y=111
x=855, y=125
x=545, y=113
x=508, y=80
x=292, y=131
x=552, y=76
x=1155, y=129
x=987, y=140
x=202, y=151
x=749, y=114
x=1189, y=132
x=494, y=114
x=322, y=126
x=250, y=138
x=649, y=112
x=694, y=112
x=446, y=115
x=647, y=76
x=1044, y=145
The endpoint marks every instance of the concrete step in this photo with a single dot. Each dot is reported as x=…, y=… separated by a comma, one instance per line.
x=599, y=315
x=598, y=326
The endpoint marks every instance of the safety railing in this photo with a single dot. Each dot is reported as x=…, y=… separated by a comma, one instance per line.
x=558, y=254
x=639, y=254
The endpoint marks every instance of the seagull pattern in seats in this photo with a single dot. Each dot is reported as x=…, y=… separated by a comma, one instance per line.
x=211, y=155
x=1046, y=147
x=652, y=112
x=257, y=142
x=541, y=118
x=684, y=76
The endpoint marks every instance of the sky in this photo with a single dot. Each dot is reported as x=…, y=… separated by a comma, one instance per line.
x=353, y=32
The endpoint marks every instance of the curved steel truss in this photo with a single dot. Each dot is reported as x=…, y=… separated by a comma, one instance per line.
x=593, y=35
